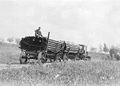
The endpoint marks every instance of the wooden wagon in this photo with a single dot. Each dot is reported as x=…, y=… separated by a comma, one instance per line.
x=42, y=49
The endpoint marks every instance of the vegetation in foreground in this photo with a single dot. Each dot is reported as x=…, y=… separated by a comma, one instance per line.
x=78, y=73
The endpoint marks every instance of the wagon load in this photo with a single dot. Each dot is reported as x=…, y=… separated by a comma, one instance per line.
x=31, y=43
x=72, y=48
x=54, y=45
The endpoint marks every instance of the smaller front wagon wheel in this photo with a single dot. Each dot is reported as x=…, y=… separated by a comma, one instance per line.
x=23, y=60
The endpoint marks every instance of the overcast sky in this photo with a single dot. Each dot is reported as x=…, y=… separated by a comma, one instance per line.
x=89, y=22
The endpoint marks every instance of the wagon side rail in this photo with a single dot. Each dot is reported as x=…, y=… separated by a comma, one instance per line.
x=47, y=40
x=53, y=45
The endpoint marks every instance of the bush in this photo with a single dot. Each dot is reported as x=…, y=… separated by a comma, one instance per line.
x=114, y=53
x=17, y=40
x=10, y=40
x=105, y=48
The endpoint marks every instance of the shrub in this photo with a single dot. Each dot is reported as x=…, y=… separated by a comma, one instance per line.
x=114, y=53
x=105, y=48
x=10, y=40
x=17, y=40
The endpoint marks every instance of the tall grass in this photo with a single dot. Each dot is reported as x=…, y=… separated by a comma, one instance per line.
x=65, y=74
x=9, y=53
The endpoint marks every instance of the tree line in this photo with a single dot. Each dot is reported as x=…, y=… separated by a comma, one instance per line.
x=113, y=51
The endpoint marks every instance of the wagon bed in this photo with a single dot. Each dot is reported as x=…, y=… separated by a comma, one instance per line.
x=30, y=43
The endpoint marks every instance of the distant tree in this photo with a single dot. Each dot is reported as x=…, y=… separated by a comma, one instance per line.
x=100, y=48
x=105, y=48
x=17, y=40
x=2, y=40
x=10, y=40
x=114, y=53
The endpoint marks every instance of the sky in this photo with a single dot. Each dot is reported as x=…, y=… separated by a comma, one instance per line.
x=89, y=22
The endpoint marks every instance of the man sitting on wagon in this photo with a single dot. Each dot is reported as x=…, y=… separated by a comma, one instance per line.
x=38, y=33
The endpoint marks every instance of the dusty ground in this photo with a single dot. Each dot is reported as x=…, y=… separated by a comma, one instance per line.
x=101, y=71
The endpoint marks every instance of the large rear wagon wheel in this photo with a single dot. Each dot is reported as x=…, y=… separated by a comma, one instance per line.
x=42, y=58
x=23, y=60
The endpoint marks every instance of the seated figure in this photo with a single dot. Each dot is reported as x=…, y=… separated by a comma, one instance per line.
x=38, y=33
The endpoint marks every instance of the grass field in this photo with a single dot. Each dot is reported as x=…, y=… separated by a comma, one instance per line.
x=9, y=53
x=100, y=71
x=80, y=73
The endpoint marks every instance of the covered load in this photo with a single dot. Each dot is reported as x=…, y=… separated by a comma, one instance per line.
x=32, y=43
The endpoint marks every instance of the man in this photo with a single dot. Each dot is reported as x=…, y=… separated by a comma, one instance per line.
x=38, y=33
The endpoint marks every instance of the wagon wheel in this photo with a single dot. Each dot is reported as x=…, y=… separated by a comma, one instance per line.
x=65, y=57
x=77, y=57
x=57, y=57
x=87, y=57
x=23, y=57
x=42, y=57
x=23, y=60
x=82, y=57
x=43, y=60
